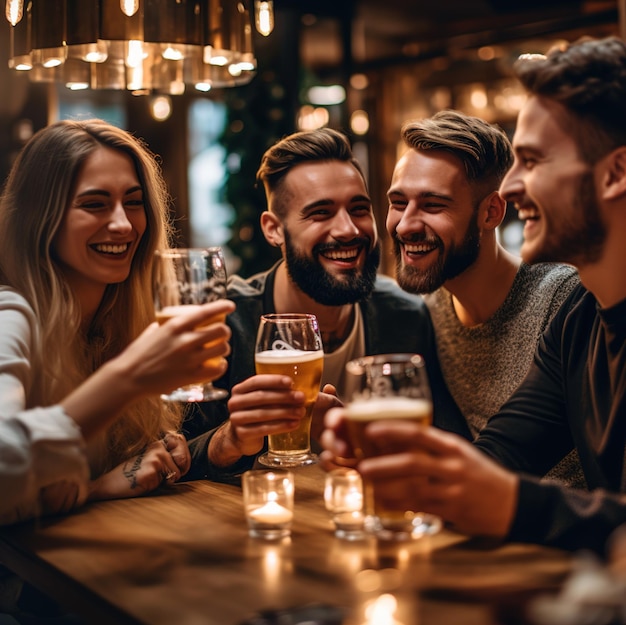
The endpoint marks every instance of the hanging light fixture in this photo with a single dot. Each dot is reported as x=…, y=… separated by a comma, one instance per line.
x=264, y=16
x=145, y=46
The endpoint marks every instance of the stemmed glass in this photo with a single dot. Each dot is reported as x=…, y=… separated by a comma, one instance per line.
x=388, y=386
x=186, y=277
x=290, y=344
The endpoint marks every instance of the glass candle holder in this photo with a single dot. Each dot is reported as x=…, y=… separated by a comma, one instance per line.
x=343, y=496
x=268, y=503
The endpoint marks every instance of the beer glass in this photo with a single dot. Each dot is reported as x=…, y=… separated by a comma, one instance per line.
x=185, y=277
x=290, y=344
x=388, y=386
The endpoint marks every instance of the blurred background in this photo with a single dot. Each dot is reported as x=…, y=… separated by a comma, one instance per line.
x=360, y=66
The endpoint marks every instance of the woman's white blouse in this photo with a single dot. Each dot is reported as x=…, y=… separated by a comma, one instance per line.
x=39, y=446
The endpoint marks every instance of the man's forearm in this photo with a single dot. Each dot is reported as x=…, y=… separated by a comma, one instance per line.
x=222, y=450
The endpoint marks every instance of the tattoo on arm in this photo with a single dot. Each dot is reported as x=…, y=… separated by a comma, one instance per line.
x=131, y=473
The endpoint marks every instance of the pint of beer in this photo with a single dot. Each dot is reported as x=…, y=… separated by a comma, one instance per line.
x=360, y=413
x=387, y=386
x=290, y=344
x=167, y=313
x=305, y=368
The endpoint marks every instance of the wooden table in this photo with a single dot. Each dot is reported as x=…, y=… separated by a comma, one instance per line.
x=184, y=558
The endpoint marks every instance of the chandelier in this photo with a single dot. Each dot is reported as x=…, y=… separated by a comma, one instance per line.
x=145, y=46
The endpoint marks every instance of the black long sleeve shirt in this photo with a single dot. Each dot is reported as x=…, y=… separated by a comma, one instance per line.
x=573, y=395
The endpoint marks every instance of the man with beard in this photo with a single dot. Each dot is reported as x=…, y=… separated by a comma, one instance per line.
x=568, y=183
x=489, y=308
x=320, y=216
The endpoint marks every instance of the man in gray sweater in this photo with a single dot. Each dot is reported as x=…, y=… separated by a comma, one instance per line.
x=489, y=308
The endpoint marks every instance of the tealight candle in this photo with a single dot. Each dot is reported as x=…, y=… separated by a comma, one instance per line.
x=343, y=496
x=271, y=513
x=268, y=503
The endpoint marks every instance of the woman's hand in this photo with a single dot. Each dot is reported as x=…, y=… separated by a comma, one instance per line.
x=139, y=475
x=176, y=445
x=187, y=348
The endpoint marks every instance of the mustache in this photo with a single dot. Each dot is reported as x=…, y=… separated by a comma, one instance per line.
x=418, y=238
x=320, y=248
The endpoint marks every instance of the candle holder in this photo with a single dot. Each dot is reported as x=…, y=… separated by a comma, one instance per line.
x=343, y=496
x=268, y=503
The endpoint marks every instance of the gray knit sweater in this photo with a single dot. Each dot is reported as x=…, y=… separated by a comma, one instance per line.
x=484, y=364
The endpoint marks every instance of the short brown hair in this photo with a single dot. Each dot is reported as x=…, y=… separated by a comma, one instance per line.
x=484, y=149
x=588, y=78
x=322, y=144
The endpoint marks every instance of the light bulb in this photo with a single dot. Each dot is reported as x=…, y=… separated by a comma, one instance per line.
x=14, y=11
x=129, y=7
x=264, y=16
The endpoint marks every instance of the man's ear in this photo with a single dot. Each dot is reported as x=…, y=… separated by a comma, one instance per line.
x=272, y=229
x=614, y=175
x=492, y=210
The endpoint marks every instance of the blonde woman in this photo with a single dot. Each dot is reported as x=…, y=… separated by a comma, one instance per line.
x=81, y=359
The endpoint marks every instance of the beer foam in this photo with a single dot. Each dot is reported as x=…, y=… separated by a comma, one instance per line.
x=169, y=312
x=173, y=311
x=389, y=408
x=270, y=356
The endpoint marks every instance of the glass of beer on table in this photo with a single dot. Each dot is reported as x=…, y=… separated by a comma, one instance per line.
x=185, y=277
x=290, y=344
x=388, y=386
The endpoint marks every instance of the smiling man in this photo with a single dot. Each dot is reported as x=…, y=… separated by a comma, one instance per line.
x=568, y=182
x=320, y=216
x=488, y=307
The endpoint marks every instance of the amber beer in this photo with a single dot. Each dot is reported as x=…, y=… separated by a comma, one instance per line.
x=305, y=368
x=168, y=312
x=363, y=412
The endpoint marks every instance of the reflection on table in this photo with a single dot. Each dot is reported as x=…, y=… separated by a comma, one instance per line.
x=185, y=557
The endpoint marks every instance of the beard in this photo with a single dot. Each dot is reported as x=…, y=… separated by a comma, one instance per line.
x=447, y=266
x=311, y=278
x=579, y=237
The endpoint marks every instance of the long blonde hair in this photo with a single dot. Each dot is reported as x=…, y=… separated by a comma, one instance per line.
x=36, y=195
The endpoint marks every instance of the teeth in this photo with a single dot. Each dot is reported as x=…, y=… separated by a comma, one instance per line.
x=418, y=248
x=527, y=213
x=341, y=254
x=110, y=248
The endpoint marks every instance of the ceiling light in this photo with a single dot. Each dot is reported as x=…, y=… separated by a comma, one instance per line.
x=264, y=16
x=326, y=96
x=145, y=46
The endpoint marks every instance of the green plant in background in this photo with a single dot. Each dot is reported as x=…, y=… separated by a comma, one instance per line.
x=258, y=115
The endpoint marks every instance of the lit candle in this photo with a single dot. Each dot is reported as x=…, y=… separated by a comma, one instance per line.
x=353, y=500
x=271, y=513
x=381, y=611
x=349, y=520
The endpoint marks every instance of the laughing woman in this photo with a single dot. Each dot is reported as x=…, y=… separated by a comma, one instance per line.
x=82, y=362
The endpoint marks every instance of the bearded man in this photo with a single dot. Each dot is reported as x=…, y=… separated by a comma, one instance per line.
x=320, y=216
